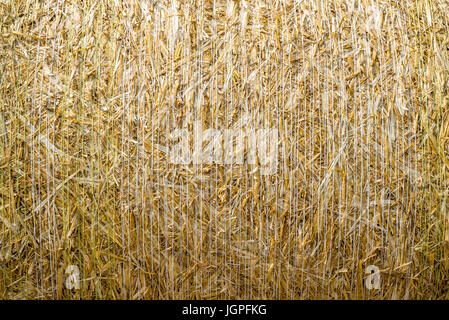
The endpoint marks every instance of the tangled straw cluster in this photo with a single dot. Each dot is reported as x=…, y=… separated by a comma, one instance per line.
x=90, y=92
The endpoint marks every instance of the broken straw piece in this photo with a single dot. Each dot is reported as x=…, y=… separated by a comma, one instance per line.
x=43, y=139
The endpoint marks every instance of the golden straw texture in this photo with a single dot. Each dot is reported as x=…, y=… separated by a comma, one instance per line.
x=92, y=91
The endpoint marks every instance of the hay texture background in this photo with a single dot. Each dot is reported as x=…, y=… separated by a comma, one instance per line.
x=91, y=91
